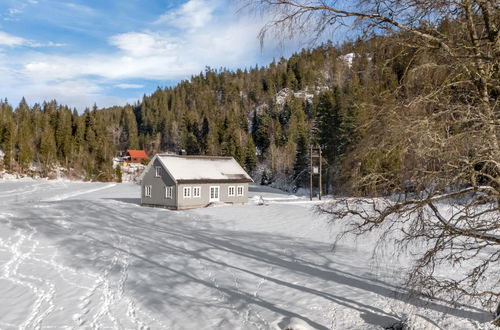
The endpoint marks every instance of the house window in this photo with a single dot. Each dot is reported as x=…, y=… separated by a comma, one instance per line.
x=214, y=194
x=230, y=191
x=196, y=192
x=147, y=191
x=169, y=192
x=186, y=192
x=240, y=190
x=158, y=171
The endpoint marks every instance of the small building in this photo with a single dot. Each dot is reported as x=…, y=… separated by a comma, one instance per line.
x=135, y=156
x=183, y=182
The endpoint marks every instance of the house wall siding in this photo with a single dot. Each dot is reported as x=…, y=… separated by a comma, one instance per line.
x=204, y=198
x=158, y=185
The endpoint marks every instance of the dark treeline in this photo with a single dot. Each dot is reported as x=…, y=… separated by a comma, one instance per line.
x=265, y=117
x=40, y=138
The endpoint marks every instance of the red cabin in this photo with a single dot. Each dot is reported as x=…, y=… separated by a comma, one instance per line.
x=136, y=156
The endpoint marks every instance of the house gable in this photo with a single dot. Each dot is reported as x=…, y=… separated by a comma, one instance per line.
x=158, y=185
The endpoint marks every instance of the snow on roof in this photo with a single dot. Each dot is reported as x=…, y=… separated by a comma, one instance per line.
x=204, y=168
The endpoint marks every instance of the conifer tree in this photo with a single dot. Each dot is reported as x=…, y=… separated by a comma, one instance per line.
x=260, y=131
x=63, y=135
x=250, y=156
x=118, y=173
x=130, y=128
x=204, y=133
x=328, y=123
x=24, y=135
x=8, y=143
x=48, y=150
x=6, y=132
x=300, y=168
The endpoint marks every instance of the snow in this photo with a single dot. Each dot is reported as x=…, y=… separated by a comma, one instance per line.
x=283, y=95
x=86, y=255
x=131, y=172
x=348, y=58
x=203, y=168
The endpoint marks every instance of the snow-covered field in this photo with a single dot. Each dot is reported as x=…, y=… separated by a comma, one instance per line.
x=87, y=256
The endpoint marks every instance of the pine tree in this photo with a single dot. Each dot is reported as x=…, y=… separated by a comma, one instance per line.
x=8, y=143
x=130, y=129
x=63, y=135
x=328, y=123
x=250, y=156
x=24, y=135
x=48, y=151
x=118, y=173
x=260, y=131
x=300, y=168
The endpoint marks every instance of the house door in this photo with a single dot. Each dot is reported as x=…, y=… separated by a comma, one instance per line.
x=214, y=194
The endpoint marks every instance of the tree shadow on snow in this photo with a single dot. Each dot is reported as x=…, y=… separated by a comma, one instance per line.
x=171, y=253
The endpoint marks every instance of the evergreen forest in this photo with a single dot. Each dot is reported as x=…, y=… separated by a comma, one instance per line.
x=266, y=117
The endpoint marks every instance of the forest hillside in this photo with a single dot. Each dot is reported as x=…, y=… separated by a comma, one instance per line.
x=345, y=99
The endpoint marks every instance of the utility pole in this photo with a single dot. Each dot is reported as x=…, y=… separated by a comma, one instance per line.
x=315, y=153
x=311, y=173
x=320, y=185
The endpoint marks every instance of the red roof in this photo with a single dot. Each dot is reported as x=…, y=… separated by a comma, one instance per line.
x=137, y=154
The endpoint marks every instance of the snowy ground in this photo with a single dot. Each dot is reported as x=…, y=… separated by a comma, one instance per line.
x=87, y=256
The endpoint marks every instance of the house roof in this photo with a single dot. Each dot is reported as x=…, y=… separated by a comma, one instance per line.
x=137, y=154
x=203, y=169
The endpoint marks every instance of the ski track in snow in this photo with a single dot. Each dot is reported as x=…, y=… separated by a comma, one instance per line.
x=77, y=193
x=42, y=289
x=105, y=293
x=245, y=287
x=248, y=316
x=109, y=291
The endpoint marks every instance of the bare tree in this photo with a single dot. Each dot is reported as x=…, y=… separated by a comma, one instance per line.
x=443, y=125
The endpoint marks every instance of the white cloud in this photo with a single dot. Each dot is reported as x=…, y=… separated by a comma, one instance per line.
x=162, y=54
x=52, y=44
x=14, y=11
x=14, y=41
x=191, y=15
x=158, y=55
x=11, y=41
x=129, y=86
x=143, y=44
x=78, y=93
x=79, y=8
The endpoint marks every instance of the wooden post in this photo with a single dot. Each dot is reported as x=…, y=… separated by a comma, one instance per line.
x=320, y=184
x=311, y=174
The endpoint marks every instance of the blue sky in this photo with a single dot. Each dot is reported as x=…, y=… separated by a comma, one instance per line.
x=113, y=52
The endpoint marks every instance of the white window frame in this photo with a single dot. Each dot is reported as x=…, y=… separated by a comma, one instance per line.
x=147, y=191
x=196, y=192
x=157, y=171
x=242, y=189
x=214, y=199
x=184, y=190
x=169, y=192
x=231, y=191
